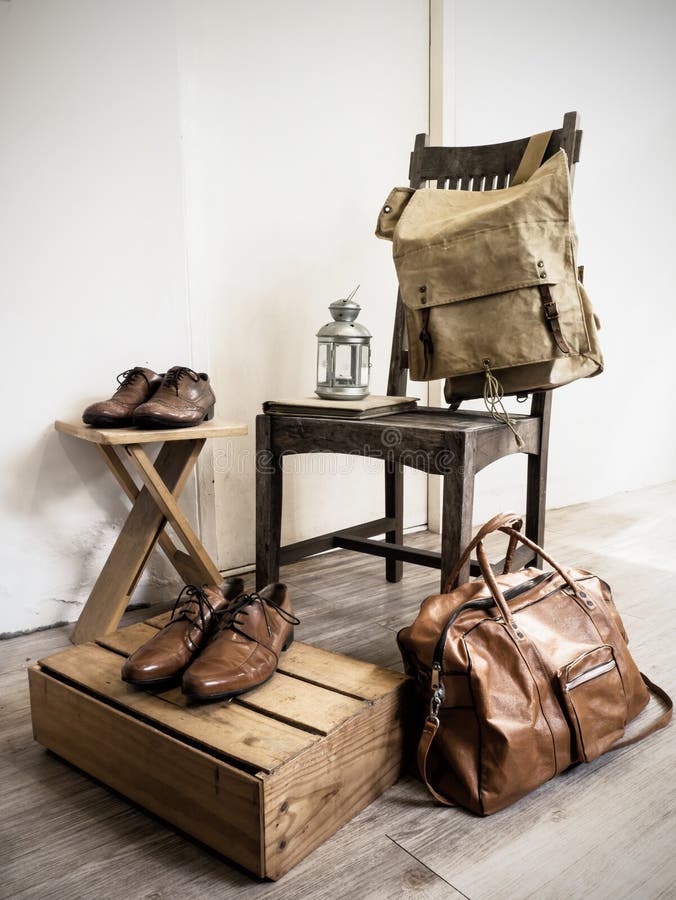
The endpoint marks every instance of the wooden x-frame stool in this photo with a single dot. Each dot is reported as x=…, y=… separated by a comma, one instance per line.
x=152, y=507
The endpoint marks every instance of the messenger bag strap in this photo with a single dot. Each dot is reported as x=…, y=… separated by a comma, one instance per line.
x=552, y=317
x=532, y=157
x=530, y=162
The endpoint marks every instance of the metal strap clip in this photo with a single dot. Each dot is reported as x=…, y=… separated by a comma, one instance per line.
x=438, y=690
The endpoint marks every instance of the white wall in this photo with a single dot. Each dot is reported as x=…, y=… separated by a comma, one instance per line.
x=92, y=273
x=514, y=69
x=189, y=182
x=297, y=119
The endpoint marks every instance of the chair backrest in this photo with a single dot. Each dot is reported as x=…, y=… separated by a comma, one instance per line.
x=483, y=168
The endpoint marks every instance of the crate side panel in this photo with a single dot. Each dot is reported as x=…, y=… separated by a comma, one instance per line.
x=309, y=799
x=199, y=794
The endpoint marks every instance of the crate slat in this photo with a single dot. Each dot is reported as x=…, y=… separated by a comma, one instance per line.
x=313, y=664
x=257, y=741
x=341, y=673
x=304, y=705
x=127, y=639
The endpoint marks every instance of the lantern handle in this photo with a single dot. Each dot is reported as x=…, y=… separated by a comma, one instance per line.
x=353, y=293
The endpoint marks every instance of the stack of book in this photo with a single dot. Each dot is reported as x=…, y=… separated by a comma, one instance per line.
x=368, y=408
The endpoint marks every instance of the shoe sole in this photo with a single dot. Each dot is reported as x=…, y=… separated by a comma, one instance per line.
x=151, y=423
x=168, y=682
x=107, y=422
x=230, y=695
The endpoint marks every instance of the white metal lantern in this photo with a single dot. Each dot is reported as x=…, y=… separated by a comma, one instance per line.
x=343, y=354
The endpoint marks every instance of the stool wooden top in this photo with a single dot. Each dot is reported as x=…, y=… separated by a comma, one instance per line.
x=213, y=429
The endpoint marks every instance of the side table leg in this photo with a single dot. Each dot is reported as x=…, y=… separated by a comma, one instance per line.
x=394, y=508
x=180, y=560
x=135, y=542
x=166, y=501
x=268, y=505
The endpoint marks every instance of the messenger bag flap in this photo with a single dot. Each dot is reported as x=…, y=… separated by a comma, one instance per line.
x=450, y=246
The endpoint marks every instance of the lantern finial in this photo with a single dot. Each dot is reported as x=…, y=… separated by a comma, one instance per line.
x=345, y=310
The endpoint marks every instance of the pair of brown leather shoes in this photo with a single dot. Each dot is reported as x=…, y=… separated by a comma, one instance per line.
x=220, y=642
x=144, y=399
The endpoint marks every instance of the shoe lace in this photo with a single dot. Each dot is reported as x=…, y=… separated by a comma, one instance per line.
x=126, y=377
x=174, y=376
x=229, y=618
x=189, y=596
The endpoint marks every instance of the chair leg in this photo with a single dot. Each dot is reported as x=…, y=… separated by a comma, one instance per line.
x=536, y=489
x=456, y=519
x=268, y=505
x=394, y=509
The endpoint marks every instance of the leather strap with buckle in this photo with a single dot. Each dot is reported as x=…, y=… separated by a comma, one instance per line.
x=552, y=317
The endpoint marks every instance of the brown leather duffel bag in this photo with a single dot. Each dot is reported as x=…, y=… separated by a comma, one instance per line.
x=525, y=673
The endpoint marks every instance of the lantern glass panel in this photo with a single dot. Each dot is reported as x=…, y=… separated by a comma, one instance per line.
x=346, y=364
x=364, y=352
x=323, y=368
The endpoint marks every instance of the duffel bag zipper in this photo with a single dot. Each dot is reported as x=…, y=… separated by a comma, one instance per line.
x=561, y=587
x=484, y=603
x=590, y=674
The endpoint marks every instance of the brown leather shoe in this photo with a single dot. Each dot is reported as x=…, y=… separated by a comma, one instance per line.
x=136, y=386
x=162, y=659
x=184, y=398
x=244, y=651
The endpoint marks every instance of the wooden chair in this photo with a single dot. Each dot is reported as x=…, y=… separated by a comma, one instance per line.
x=453, y=443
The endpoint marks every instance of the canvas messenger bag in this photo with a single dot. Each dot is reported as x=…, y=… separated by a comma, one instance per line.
x=523, y=674
x=489, y=282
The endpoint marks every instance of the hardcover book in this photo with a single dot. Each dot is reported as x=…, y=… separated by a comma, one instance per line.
x=368, y=408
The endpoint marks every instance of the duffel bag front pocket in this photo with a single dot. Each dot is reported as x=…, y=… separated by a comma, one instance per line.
x=594, y=697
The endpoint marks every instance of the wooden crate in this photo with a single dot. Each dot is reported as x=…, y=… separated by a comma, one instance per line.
x=263, y=779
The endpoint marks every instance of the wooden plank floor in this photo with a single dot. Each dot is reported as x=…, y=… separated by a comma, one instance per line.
x=599, y=831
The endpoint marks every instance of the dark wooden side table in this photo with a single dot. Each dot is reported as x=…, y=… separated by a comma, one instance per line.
x=152, y=507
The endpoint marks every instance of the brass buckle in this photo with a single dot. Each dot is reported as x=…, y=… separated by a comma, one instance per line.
x=551, y=312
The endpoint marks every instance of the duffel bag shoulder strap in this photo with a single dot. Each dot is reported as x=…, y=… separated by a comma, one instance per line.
x=663, y=720
x=429, y=733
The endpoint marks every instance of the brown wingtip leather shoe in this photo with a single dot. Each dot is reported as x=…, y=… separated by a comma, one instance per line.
x=136, y=386
x=244, y=651
x=184, y=398
x=162, y=659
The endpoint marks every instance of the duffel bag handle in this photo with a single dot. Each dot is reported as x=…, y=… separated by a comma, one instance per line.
x=510, y=524
x=519, y=537
x=502, y=520
x=492, y=583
